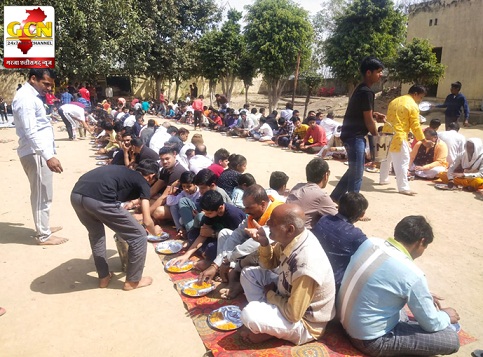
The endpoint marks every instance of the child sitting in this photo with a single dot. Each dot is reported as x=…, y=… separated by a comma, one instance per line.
x=244, y=181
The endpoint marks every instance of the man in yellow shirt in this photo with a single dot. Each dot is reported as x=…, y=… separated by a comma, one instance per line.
x=298, y=133
x=402, y=117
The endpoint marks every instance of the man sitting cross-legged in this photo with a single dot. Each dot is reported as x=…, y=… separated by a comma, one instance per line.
x=379, y=281
x=337, y=234
x=217, y=216
x=235, y=245
x=297, y=302
x=311, y=196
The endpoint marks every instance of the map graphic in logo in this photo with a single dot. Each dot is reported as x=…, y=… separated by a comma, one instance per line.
x=29, y=40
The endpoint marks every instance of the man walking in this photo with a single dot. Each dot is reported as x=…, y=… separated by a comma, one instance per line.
x=358, y=121
x=36, y=149
x=402, y=117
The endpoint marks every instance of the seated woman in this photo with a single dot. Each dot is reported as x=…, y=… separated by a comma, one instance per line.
x=228, y=179
x=428, y=158
x=467, y=169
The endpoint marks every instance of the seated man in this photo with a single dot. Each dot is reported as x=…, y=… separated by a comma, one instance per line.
x=298, y=134
x=297, y=302
x=467, y=169
x=338, y=236
x=189, y=191
x=310, y=196
x=278, y=186
x=380, y=280
x=200, y=160
x=242, y=127
x=217, y=216
x=238, y=244
x=167, y=182
x=142, y=151
x=285, y=131
x=314, y=139
x=95, y=199
x=428, y=158
x=453, y=140
x=263, y=133
x=220, y=162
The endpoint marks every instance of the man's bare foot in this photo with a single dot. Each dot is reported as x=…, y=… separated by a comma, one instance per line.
x=249, y=337
x=2, y=311
x=202, y=264
x=104, y=282
x=54, y=240
x=55, y=229
x=231, y=291
x=131, y=285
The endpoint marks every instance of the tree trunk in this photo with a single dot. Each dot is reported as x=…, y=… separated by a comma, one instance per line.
x=159, y=83
x=275, y=87
x=212, y=85
x=307, y=100
x=178, y=82
x=246, y=93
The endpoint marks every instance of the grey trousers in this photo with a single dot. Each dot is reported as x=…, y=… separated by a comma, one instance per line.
x=409, y=339
x=40, y=178
x=94, y=214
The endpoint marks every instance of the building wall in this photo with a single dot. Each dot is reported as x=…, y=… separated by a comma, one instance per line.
x=459, y=31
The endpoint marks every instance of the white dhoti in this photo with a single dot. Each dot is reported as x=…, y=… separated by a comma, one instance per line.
x=261, y=317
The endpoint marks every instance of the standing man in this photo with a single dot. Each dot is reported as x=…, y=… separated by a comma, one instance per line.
x=358, y=121
x=198, y=108
x=36, y=149
x=66, y=97
x=96, y=199
x=453, y=104
x=402, y=117
x=109, y=93
x=3, y=110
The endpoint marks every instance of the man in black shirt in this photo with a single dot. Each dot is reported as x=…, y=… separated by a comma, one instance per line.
x=358, y=121
x=97, y=198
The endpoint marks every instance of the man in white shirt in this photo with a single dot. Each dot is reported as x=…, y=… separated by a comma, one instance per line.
x=287, y=113
x=454, y=141
x=330, y=126
x=201, y=159
x=159, y=137
x=37, y=149
x=75, y=116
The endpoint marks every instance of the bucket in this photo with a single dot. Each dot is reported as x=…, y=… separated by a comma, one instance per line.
x=122, y=249
x=381, y=143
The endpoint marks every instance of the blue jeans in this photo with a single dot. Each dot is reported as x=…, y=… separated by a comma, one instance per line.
x=352, y=179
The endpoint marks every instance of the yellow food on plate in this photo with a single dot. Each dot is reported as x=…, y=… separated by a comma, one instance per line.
x=190, y=292
x=216, y=316
x=203, y=285
x=226, y=326
x=175, y=269
x=165, y=251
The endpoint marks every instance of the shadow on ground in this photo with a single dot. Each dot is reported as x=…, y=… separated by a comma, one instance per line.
x=76, y=275
x=16, y=233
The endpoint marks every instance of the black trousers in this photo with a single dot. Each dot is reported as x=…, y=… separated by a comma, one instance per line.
x=67, y=123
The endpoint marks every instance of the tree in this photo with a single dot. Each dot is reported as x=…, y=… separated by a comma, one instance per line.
x=209, y=60
x=246, y=72
x=312, y=80
x=366, y=27
x=417, y=63
x=276, y=32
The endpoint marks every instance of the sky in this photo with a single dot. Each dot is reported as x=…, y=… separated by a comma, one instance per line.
x=312, y=6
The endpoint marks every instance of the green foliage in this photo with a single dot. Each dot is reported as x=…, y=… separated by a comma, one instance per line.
x=365, y=27
x=148, y=37
x=417, y=63
x=312, y=79
x=276, y=32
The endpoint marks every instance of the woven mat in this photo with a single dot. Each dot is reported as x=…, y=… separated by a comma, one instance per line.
x=222, y=344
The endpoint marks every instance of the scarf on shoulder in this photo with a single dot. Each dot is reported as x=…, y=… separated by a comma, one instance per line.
x=476, y=159
x=266, y=215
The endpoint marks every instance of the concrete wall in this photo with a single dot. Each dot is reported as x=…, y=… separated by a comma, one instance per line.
x=456, y=27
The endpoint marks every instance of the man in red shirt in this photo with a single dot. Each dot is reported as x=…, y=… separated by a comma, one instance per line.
x=198, y=108
x=85, y=93
x=315, y=138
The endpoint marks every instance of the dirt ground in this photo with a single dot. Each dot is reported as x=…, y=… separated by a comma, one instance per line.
x=53, y=305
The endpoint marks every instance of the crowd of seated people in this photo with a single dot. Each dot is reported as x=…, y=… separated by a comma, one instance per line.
x=242, y=231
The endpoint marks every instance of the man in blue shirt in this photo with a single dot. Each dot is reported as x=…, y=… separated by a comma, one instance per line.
x=338, y=235
x=66, y=97
x=453, y=104
x=379, y=281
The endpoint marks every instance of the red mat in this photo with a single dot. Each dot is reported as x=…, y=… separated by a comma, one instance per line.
x=334, y=342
